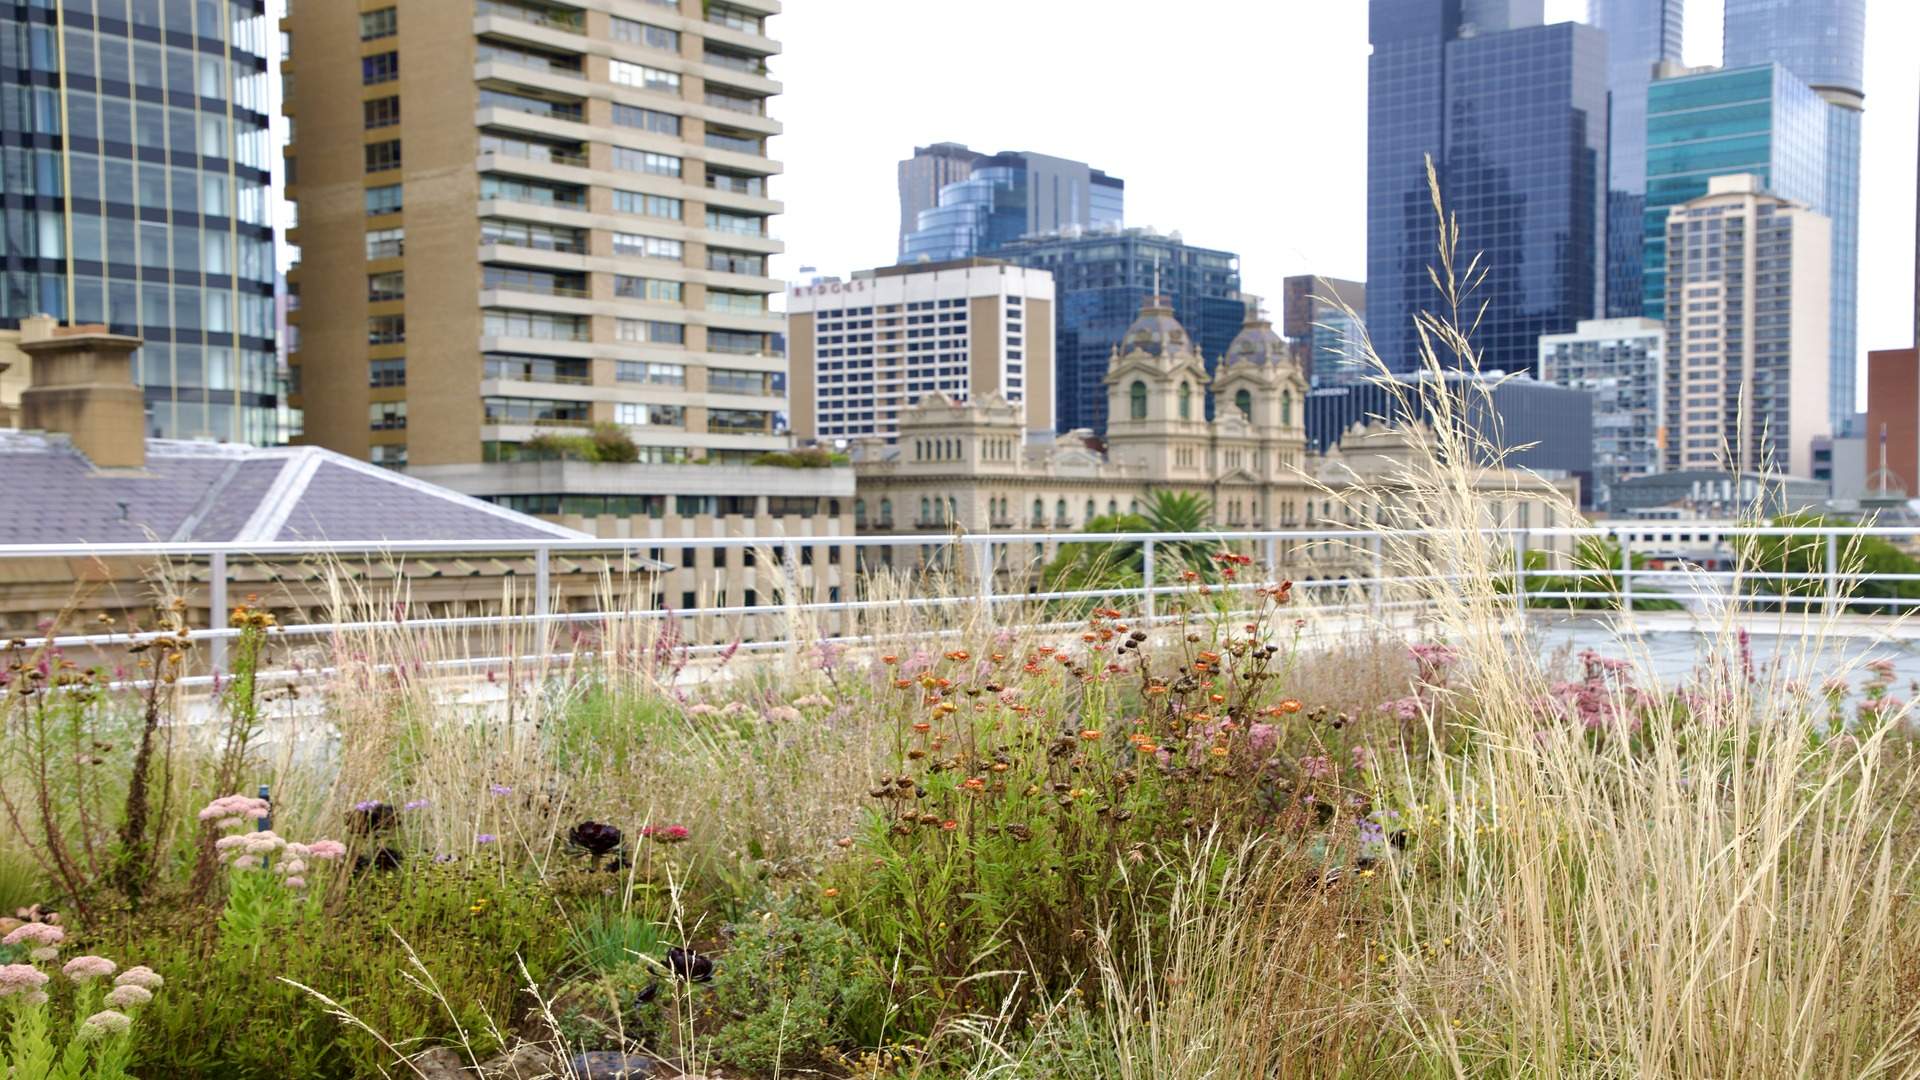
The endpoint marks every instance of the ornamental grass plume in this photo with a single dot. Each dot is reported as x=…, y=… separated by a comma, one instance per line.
x=85, y=968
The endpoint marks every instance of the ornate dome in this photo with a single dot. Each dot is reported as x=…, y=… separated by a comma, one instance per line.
x=1256, y=343
x=1156, y=332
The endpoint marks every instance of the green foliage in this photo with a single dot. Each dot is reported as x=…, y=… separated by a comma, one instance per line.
x=1595, y=592
x=1118, y=564
x=1801, y=557
x=607, y=443
x=806, y=457
x=608, y=940
x=792, y=987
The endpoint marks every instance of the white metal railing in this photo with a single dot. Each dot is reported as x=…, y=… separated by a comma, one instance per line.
x=1343, y=568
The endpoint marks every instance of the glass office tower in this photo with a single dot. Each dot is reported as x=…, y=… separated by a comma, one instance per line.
x=1641, y=34
x=136, y=192
x=1008, y=196
x=1099, y=281
x=1516, y=122
x=1759, y=120
x=1823, y=42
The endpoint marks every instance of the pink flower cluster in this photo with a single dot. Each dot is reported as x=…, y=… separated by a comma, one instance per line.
x=290, y=859
x=666, y=834
x=83, y=968
x=20, y=979
x=34, y=933
x=234, y=811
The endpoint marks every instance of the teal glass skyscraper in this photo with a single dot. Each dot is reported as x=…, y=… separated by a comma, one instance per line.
x=1641, y=35
x=135, y=193
x=1760, y=120
x=1514, y=115
x=1823, y=42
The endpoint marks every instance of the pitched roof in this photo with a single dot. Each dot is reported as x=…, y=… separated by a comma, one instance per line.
x=52, y=494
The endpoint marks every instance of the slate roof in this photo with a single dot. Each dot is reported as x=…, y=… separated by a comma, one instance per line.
x=51, y=494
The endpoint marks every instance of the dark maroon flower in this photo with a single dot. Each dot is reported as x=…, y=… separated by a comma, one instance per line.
x=595, y=838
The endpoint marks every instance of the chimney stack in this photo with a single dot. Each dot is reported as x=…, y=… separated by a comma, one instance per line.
x=82, y=386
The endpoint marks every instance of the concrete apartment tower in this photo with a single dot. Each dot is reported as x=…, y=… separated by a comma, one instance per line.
x=523, y=215
x=1747, y=312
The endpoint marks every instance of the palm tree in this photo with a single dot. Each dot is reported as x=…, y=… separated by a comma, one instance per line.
x=1120, y=564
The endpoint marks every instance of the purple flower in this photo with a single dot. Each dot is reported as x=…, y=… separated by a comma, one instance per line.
x=365, y=805
x=417, y=804
x=500, y=789
x=485, y=838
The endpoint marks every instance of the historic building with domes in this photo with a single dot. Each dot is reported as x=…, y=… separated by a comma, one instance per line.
x=971, y=466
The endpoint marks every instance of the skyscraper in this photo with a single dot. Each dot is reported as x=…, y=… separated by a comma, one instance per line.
x=1824, y=43
x=1514, y=116
x=1622, y=363
x=1747, y=312
x=1100, y=279
x=136, y=189
x=1315, y=318
x=1641, y=35
x=1761, y=121
x=923, y=175
x=1006, y=196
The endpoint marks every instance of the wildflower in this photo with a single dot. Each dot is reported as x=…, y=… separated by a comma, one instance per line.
x=1316, y=768
x=142, y=976
x=82, y=968
x=958, y=654
x=499, y=789
x=36, y=933
x=128, y=995
x=16, y=978
x=783, y=714
x=949, y=825
x=1289, y=705
x=326, y=850
x=595, y=838
x=668, y=834
x=233, y=810
x=1090, y=734
x=702, y=709
x=292, y=868
x=829, y=892
x=367, y=806
x=416, y=804
x=104, y=1023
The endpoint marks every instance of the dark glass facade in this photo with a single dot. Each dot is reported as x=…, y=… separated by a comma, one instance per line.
x=1824, y=44
x=1008, y=196
x=1641, y=34
x=135, y=192
x=1099, y=281
x=1540, y=426
x=1516, y=123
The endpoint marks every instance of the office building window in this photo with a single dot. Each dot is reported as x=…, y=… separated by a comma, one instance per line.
x=387, y=416
x=385, y=199
x=379, y=113
x=386, y=243
x=378, y=68
x=379, y=24
x=388, y=286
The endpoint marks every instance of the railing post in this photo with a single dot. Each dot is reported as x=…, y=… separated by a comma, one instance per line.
x=542, y=571
x=1146, y=582
x=1273, y=556
x=983, y=564
x=1520, y=569
x=217, y=607
x=1833, y=573
x=1626, y=571
x=1379, y=575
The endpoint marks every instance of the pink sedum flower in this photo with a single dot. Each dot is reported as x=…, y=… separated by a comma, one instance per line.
x=35, y=933
x=141, y=976
x=83, y=968
x=296, y=882
x=44, y=953
x=128, y=995
x=105, y=1023
x=19, y=978
x=326, y=850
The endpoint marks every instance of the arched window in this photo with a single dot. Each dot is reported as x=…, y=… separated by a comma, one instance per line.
x=926, y=510
x=833, y=507
x=1137, y=400
x=1286, y=406
x=859, y=511
x=1039, y=511
x=1113, y=506
x=1243, y=400
x=1060, y=512
x=886, y=511
x=953, y=509
x=1092, y=512
x=1186, y=402
x=1133, y=506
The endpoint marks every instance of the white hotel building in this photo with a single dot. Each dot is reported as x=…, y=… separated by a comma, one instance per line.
x=860, y=352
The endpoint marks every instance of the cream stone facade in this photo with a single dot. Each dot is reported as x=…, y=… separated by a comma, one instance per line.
x=970, y=467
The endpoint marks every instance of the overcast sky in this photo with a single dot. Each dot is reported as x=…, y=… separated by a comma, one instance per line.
x=1240, y=123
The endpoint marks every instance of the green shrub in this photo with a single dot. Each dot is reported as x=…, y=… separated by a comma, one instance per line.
x=791, y=987
x=806, y=457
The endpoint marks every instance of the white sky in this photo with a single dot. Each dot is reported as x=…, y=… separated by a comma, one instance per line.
x=1240, y=123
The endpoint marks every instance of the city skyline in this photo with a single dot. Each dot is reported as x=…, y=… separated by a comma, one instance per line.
x=1312, y=66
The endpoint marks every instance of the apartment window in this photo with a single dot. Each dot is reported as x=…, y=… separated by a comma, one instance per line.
x=651, y=331
x=739, y=381
x=646, y=371
x=639, y=288
x=639, y=33
x=651, y=247
x=386, y=243
x=737, y=141
x=531, y=191
x=736, y=303
x=382, y=156
x=387, y=416
x=733, y=18
x=388, y=286
x=519, y=56
x=733, y=102
x=379, y=113
x=389, y=372
x=529, y=234
x=520, y=279
x=738, y=342
x=660, y=206
x=739, y=224
x=379, y=68
x=738, y=183
x=557, y=110
x=739, y=420
x=654, y=120
x=546, y=369
x=379, y=24
x=645, y=161
x=514, y=410
x=736, y=262
x=642, y=76
x=385, y=199
x=390, y=455
x=386, y=329
x=642, y=414
x=535, y=324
